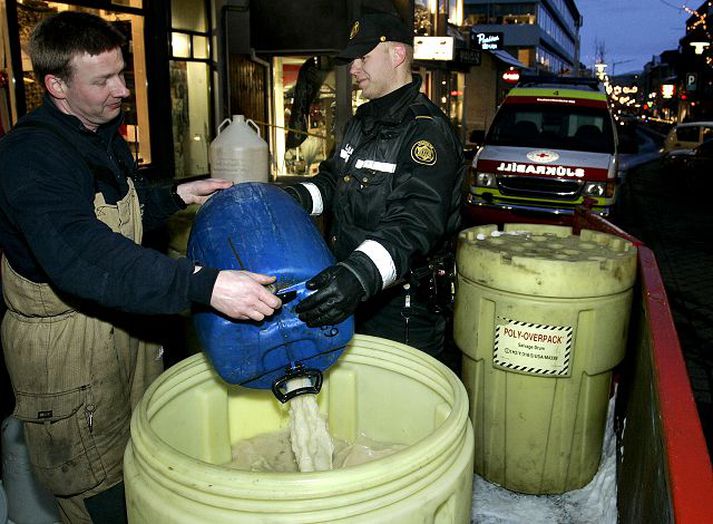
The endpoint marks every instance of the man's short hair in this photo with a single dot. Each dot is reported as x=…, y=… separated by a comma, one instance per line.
x=59, y=38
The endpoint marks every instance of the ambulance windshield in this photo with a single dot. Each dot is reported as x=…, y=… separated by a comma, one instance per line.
x=555, y=127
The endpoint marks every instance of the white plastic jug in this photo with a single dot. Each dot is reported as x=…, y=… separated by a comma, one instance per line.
x=238, y=153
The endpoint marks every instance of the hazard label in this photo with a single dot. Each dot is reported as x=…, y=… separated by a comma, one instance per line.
x=536, y=349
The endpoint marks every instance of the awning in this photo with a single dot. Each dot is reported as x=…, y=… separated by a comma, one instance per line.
x=507, y=58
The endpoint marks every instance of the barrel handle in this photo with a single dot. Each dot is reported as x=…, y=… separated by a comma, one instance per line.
x=220, y=127
x=257, y=129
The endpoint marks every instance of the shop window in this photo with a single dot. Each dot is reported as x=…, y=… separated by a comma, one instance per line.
x=456, y=98
x=190, y=101
x=430, y=15
x=181, y=45
x=422, y=18
x=189, y=14
x=189, y=45
x=514, y=13
x=200, y=47
x=475, y=19
x=518, y=19
x=304, y=108
x=191, y=88
x=455, y=12
x=138, y=4
x=525, y=56
x=135, y=128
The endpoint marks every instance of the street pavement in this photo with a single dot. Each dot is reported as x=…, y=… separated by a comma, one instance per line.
x=675, y=219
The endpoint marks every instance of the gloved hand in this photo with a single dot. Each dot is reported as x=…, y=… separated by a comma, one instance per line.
x=301, y=195
x=338, y=295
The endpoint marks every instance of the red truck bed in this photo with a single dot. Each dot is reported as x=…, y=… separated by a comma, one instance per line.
x=664, y=470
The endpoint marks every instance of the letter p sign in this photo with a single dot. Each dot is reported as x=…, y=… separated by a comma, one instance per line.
x=691, y=81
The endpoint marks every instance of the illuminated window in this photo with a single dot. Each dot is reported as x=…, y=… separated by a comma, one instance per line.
x=303, y=131
x=128, y=3
x=135, y=128
x=181, y=45
x=191, y=78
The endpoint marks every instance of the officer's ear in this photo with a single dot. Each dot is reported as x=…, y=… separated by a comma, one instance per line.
x=55, y=86
x=397, y=53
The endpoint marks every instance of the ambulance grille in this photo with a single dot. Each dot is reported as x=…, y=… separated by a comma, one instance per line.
x=536, y=187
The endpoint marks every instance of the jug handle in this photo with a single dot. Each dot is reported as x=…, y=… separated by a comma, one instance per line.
x=257, y=129
x=297, y=370
x=220, y=127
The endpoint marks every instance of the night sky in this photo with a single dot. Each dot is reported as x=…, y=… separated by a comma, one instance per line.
x=632, y=30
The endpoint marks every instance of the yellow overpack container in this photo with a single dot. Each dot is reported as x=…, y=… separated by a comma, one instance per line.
x=183, y=430
x=541, y=317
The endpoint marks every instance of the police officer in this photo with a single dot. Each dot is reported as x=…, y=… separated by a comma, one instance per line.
x=393, y=188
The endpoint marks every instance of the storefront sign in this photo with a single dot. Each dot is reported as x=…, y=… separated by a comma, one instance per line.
x=511, y=76
x=469, y=56
x=486, y=41
x=433, y=48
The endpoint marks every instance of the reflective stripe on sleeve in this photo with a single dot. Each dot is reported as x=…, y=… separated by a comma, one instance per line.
x=381, y=259
x=317, y=202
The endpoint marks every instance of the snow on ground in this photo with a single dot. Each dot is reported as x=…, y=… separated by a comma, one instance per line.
x=595, y=503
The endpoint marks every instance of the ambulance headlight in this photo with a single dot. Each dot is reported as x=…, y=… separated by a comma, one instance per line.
x=485, y=180
x=594, y=189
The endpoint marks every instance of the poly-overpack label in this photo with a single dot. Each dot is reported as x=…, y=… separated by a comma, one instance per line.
x=537, y=349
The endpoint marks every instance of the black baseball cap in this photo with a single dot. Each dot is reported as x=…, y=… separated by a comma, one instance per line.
x=369, y=31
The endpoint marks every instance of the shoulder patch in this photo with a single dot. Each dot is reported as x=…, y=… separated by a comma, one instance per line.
x=424, y=153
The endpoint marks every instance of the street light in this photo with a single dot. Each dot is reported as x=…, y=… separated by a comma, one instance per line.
x=699, y=47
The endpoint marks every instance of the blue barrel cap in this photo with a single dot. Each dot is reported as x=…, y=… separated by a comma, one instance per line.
x=258, y=227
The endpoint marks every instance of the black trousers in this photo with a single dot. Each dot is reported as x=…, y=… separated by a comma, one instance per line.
x=387, y=316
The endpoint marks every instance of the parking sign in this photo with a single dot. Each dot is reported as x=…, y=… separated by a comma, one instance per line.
x=691, y=81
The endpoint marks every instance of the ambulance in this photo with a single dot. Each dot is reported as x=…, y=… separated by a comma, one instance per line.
x=551, y=147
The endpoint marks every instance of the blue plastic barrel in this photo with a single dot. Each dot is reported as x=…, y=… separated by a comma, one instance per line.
x=260, y=228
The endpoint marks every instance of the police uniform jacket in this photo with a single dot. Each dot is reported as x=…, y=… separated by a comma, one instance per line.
x=393, y=186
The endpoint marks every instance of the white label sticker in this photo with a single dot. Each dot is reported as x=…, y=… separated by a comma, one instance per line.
x=536, y=349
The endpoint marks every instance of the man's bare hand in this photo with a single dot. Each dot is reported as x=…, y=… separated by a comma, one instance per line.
x=242, y=295
x=198, y=191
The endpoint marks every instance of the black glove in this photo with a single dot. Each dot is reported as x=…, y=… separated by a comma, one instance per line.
x=338, y=295
x=301, y=194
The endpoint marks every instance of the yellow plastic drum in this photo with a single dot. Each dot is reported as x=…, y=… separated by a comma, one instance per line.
x=541, y=317
x=183, y=429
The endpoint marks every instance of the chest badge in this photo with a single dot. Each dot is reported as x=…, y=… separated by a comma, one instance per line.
x=424, y=153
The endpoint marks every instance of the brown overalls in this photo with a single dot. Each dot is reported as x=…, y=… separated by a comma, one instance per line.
x=76, y=378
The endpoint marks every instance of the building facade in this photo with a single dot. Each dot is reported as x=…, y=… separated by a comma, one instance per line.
x=695, y=67
x=542, y=34
x=677, y=85
x=193, y=63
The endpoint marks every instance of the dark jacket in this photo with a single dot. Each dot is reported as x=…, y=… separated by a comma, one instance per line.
x=396, y=179
x=51, y=166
